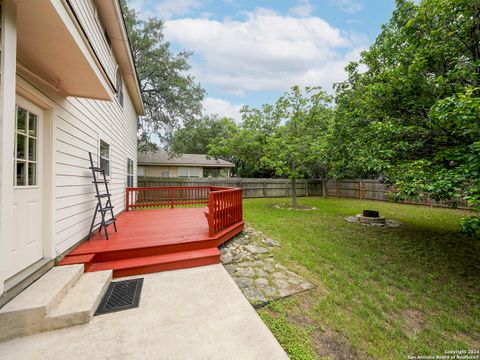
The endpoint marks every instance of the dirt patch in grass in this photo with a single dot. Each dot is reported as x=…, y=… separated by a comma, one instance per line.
x=298, y=207
x=414, y=322
x=328, y=345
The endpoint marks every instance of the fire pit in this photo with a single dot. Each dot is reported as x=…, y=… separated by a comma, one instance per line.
x=373, y=218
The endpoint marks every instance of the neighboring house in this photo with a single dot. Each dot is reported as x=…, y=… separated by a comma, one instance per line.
x=68, y=87
x=161, y=164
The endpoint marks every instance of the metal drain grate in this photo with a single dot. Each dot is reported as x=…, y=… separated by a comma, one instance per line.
x=121, y=295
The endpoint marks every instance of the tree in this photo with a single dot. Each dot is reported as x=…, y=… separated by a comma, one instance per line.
x=245, y=144
x=412, y=116
x=195, y=137
x=171, y=97
x=300, y=141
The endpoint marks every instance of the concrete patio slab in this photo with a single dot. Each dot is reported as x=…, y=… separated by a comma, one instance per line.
x=196, y=313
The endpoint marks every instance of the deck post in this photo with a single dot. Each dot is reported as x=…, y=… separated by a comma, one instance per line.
x=171, y=198
x=127, y=200
x=211, y=206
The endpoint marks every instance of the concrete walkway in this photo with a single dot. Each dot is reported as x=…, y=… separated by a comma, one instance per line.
x=195, y=313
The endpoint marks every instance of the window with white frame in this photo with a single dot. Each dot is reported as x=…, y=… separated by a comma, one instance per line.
x=105, y=157
x=165, y=173
x=129, y=173
x=26, y=142
x=119, y=87
x=184, y=171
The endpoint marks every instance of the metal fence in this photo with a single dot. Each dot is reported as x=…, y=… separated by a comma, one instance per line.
x=369, y=189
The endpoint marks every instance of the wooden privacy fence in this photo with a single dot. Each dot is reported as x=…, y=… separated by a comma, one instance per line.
x=369, y=189
x=372, y=189
x=224, y=204
x=252, y=187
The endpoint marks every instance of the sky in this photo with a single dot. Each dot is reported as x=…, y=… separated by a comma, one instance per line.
x=251, y=52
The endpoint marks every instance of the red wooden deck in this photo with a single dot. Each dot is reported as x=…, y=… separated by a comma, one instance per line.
x=154, y=240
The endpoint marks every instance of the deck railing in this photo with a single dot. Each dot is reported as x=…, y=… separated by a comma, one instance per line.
x=224, y=208
x=224, y=204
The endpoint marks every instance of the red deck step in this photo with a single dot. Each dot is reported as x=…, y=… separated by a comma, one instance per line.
x=76, y=259
x=156, y=263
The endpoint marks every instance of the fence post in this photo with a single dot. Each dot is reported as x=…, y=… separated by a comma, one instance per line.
x=306, y=188
x=360, y=189
x=264, y=188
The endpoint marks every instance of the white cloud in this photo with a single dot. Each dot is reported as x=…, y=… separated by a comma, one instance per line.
x=222, y=107
x=348, y=6
x=302, y=9
x=265, y=51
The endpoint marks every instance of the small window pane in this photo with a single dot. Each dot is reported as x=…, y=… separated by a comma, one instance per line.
x=21, y=146
x=32, y=149
x=32, y=124
x=32, y=174
x=104, y=149
x=21, y=176
x=105, y=165
x=21, y=120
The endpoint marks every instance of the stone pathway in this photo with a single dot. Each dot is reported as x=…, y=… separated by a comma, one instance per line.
x=249, y=261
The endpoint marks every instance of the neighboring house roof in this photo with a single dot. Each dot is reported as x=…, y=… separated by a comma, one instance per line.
x=164, y=158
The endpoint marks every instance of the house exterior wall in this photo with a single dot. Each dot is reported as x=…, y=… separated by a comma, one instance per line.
x=73, y=127
x=173, y=171
x=88, y=18
x=7, y=108
x=156, y=170
x=79, y=125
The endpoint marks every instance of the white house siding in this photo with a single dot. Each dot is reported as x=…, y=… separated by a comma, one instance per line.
x=88, y=18
x=78, y=126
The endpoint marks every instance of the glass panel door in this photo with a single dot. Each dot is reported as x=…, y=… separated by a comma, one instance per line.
x=25, y=152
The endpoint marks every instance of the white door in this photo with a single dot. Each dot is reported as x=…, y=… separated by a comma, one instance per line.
x=27, y=240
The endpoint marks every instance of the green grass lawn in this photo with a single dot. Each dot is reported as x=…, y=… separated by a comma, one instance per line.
x=382, y=293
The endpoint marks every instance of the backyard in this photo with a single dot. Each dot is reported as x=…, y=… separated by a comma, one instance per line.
x=382, y=292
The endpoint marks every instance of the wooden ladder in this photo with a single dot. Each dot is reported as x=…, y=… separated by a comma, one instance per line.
x=101, y=208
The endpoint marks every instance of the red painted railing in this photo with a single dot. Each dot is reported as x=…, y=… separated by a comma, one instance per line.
x=224, y=204
x=224, y=209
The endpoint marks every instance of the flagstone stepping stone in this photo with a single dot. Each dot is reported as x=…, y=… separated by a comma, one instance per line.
x=270, y=242
x=280, y=283
x=268, y=291
x=246, y=272
x=226, y=258
x=254, y=295
x=243, y=282
x=261, y=281
x=261, y=272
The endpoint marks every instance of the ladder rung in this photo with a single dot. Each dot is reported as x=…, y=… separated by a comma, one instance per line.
x=97, y=169
x=100, y=182
x=102, y=195
x=108, y=222
x=105, y=209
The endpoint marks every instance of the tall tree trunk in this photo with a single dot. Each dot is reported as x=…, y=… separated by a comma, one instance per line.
x=324, y=187
x=294, y=193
